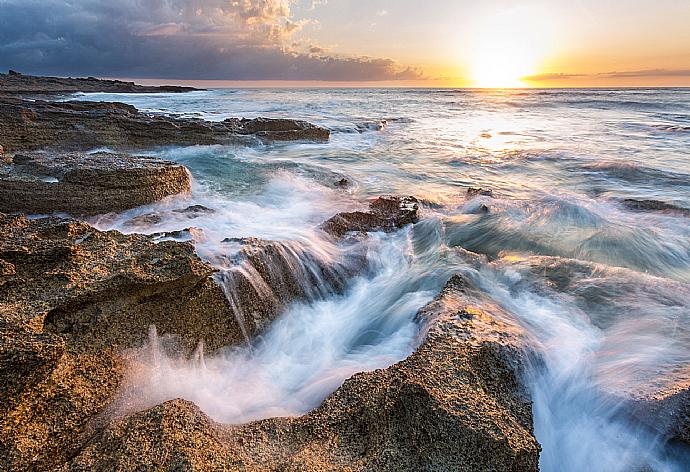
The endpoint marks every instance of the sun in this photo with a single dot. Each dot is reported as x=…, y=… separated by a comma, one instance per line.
x=507, y=47
x=502, y=66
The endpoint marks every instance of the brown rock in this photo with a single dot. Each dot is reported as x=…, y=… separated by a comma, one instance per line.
x=80, y=125
x=386, y=213
x=455, y=404
x=87, y=184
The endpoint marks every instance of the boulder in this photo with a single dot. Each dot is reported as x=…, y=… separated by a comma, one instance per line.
x=455, y=404
x=87, y=184
x=386, y=213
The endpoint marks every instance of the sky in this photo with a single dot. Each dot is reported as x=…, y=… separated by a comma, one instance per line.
x=439, y=43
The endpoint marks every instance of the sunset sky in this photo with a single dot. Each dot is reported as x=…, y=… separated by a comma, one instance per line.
x=453, y=43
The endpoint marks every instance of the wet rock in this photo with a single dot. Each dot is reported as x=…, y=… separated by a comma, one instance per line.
x=279, y=129
x=87, y=184
x=654, y=205
x=455, y=404
x=194, y=211
x=71, y=299
x=342, y=182
x=386, y=213
x=264, y=276
x=186, y=234
x=79, y=125
x=666, y=411
x=147, y=220
x=473, y=192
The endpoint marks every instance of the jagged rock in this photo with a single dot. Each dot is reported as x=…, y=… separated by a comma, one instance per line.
x=193, y=211
x=80, y=125
x=654, y=205
x=386, y=213
x=186, y=234
x=455, y=404
x=87, y=184
x=71, y=299
x=478, y=192
x=342, y=182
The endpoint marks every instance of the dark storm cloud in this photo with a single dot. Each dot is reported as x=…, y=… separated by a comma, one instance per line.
x=185, y=39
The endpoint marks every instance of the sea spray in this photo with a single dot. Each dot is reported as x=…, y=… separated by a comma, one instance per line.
x=310, y=349
x=581, y=416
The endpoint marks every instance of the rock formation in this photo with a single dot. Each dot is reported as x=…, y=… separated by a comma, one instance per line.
x=386, y=213
x=455, y=404
x=77, y=126
x=87, y=184
x=16, y=83
x=73, y=299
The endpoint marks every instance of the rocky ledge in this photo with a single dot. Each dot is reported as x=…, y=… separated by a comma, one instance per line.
x=455, y=404
x=87, y=184
x=77, y=126
x=16, y=83
x=74, y=300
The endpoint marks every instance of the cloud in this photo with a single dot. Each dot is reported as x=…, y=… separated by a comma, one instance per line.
x=176, y=39
x=551, y=76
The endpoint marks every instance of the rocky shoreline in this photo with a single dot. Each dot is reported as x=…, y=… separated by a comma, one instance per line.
x=75, y=302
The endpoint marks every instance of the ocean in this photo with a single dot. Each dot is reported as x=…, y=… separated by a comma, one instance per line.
x=586, y=239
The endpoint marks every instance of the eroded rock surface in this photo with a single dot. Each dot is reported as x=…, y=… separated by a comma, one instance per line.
x=80, y=125
x=71, y=298
x=74, y=300
x=455, y=404
x=87, y=183
x=386, y=213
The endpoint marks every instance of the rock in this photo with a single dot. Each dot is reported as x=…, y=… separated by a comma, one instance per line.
x=455, y=404
x=266, y=275
x=654, y=205
x=342, y=182
x=194, y=211
x=478, y=192
x=143, y=221
x=187, y=234
x=16, y=83
x=386, y=213
x=87, y=184
x=279, y=129
x=98, y=289
x=74, y=301
x=71, y=299
x=666, y=411
x=80, y=125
